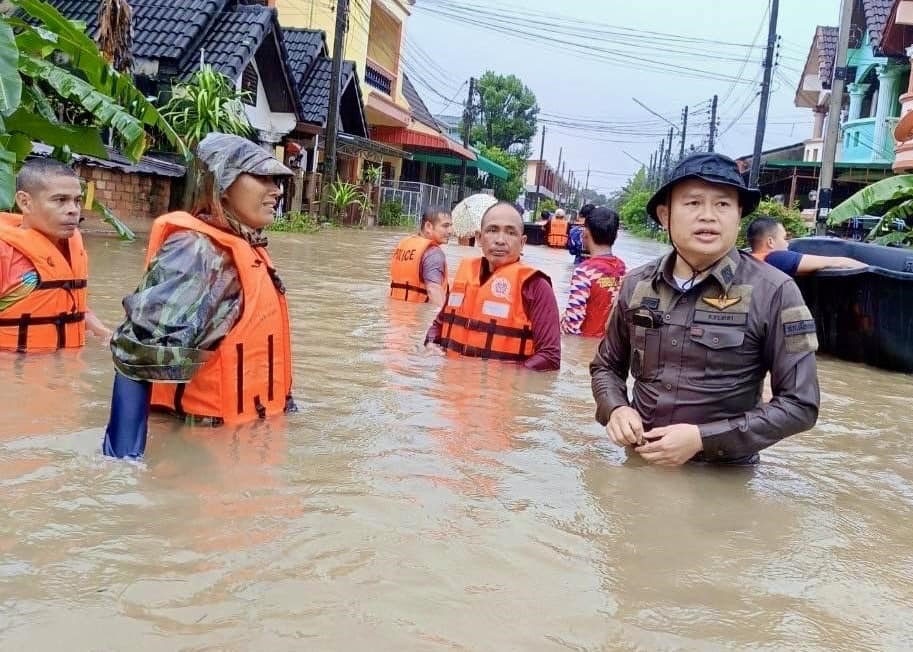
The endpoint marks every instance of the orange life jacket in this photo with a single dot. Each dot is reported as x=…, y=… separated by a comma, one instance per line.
x=488, y=320
x=406, y=270
x=557, y=232
x=53, y=315
x=250, y=372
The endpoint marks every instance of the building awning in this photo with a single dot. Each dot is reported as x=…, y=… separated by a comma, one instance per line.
x=410, y=138
x=481, y=163
x=351, y=144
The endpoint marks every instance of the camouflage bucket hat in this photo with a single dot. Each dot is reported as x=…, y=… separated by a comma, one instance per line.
x=228, y=156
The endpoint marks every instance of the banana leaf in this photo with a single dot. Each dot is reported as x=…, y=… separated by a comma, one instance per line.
x=85, y=140
x=106, y=112
x=123, y=231
x=68, y=37
x=897, y=237
x=874, y=199
x=10, y=81
x=7, y=178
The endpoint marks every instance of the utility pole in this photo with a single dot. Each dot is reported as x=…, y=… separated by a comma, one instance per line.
x=681, y=149
x=650, y=173
x=712, y=141
x=659, y=169
x=560, y=172
x=833, y=119
x=342, y=20
x=539, y=168
x=765, y=96
x=586, y=186
x=467, y=125
x=669, y=153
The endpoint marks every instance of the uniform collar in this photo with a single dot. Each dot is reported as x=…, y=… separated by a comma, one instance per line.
x=723, y=271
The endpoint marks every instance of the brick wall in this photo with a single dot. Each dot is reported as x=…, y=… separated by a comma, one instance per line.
x=136, y=199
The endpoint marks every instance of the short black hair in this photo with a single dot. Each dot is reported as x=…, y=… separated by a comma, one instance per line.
x=602, y=223
x=430, y=215
x=36, y=171
x=759, y=229
x=585, y=210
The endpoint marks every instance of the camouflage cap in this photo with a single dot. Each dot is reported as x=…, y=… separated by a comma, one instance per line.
x=227, y=156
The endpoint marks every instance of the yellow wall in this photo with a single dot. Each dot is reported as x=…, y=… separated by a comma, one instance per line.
x=319, y=14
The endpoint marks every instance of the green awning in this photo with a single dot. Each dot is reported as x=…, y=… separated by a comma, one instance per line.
x=482, y=163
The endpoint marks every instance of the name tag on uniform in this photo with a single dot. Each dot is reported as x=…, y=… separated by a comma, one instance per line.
x=455, y=300
x=496, y=309
x=729, y=318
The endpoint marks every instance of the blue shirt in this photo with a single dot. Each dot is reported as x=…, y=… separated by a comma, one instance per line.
x=786, y=261
x=575, y=243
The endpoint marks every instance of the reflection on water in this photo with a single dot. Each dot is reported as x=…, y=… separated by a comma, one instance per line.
x=418, y=503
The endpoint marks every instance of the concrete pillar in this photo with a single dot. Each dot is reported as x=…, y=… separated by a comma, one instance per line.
x=909, y=52
x=888, y=77
x=857, y=94
x=818, y=129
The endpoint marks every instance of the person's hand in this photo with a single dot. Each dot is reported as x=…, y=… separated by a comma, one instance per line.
x=434, y=349
x=671, y=445
x=625, y=427
x=103, y=335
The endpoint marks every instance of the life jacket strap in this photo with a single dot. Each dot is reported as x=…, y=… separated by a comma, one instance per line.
x=408, y=287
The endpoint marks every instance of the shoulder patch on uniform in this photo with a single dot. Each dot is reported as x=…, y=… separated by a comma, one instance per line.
x=799, y=329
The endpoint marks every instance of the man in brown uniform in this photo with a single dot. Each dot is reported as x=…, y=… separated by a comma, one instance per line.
x=699, y=328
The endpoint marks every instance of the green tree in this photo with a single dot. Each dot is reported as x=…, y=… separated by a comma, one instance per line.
x=508, y=112
x=32, y=80
x=789, y=216
x=506, y=189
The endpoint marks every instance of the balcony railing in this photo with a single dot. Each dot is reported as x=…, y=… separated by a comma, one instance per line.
x=377, y=78
x=859, y=138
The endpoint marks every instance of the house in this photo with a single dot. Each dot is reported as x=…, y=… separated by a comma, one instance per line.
x=898, y=37
x=311, y=67
x=373, y=43
x=876, y=77
x=242, y=40
x=542, y=177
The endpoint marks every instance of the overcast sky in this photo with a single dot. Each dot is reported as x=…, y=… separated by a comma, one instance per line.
x=574, y=84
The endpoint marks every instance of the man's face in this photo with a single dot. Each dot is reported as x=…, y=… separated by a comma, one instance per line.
x=439, y=229
x=702, y=219
x=53, y=207
x=502, y=236
x=778, y=241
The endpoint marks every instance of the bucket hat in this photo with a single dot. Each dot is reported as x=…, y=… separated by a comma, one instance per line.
x=712, y=168
x=228, y=156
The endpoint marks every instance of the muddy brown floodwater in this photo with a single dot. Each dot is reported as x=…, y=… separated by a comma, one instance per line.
x=421, y=504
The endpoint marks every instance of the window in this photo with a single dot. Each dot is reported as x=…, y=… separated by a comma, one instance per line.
x=249, y=83
x=856, y=139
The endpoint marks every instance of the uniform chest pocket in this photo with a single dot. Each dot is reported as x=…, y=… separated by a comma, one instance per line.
x=645, y=354
x=719, y=355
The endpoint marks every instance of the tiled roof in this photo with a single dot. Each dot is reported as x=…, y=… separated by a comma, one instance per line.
x=420, y=112
x=315, y=92
x=304, y=46
x=232, y=41
x=876, y=18
x=311, y=68
x=826, y=44
x=163, y=29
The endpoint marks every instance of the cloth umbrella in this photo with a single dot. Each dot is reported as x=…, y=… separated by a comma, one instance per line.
x=467, y=215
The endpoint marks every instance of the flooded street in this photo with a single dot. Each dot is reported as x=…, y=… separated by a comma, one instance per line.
x=417, y=503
